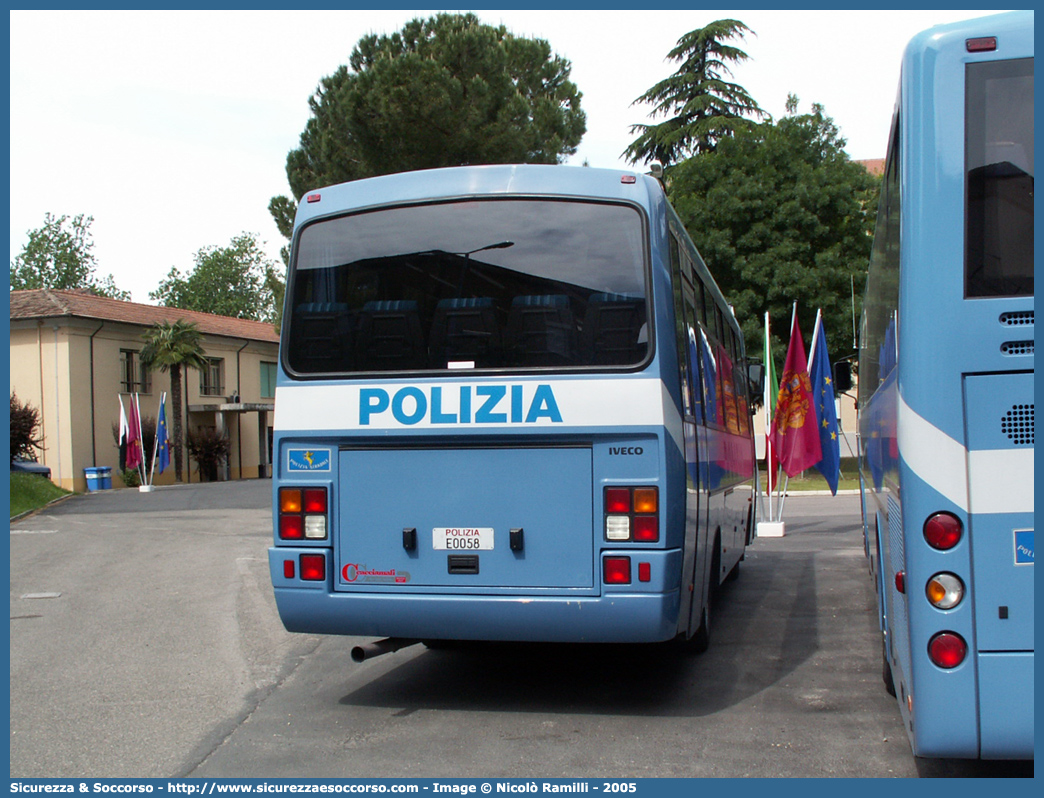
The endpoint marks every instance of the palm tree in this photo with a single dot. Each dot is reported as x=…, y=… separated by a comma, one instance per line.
x=700, y=106
x=169, y=346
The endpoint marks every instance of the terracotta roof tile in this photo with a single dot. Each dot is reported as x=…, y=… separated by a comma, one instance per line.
x=874, y=166
x=45, y=303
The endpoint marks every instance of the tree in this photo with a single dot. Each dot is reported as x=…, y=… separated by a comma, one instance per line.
x=238, y=280
x=60, y=255
x=443, y=91
x=25, y=424
x=700, y=106
x=779, y=213
x=170, y=346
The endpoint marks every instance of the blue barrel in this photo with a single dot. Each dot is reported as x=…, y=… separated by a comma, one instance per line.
x=105, y=477
x=93, y=479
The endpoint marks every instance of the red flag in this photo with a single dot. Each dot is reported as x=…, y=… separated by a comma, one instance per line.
x=134, y=458
x=795, y=436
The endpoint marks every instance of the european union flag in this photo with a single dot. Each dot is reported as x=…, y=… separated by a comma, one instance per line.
x=826, y=411
x=162, y=448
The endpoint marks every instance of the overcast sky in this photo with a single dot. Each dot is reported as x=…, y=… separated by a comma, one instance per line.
x=171, y=128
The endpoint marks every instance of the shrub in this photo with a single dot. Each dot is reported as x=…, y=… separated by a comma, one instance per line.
x=131, y=477
x=209, y=448
x=25, y=422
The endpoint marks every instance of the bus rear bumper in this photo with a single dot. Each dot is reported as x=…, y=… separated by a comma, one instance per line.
x=612, y=618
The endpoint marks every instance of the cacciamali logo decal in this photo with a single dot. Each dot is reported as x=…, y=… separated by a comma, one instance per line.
x=310, y=460
x=353, y=572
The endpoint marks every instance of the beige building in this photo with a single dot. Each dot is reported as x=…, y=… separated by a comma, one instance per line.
x=73, y=354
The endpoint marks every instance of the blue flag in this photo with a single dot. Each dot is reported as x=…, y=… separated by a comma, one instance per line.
x=826, y=411
x=162, y=449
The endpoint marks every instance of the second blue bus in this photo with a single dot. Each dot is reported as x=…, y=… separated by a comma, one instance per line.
x=946, y=375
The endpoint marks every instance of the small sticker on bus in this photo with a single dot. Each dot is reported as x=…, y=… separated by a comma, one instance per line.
x=1024, y=547
x=311, y=460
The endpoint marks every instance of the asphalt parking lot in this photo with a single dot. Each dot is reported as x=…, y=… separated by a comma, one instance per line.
x=146, y=621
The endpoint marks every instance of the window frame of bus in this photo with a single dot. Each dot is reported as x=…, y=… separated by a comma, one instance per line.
x=646, y=266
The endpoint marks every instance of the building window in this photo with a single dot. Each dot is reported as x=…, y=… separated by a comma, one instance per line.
x=211, y=377
x=134, y=377
x=268, y=379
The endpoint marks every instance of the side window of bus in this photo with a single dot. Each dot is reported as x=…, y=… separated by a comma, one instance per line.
x=726, y=361
x=739, y=383
x=713, y=415
x=695, y=368
x=702, y=307
x=690, y=288
x=678, y=289
x=720, y=356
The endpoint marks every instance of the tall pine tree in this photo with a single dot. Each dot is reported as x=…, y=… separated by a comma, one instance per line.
x=700, y=107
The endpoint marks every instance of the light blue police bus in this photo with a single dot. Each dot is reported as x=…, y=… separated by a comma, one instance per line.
x=512, y=405
x=946, y=392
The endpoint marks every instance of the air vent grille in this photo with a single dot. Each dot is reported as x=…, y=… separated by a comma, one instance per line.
x=1017, y=319
x=1017, y=348
x=1017, y=424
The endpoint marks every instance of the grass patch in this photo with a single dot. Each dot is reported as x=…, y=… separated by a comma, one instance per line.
x=32, y=491
x=813, y=480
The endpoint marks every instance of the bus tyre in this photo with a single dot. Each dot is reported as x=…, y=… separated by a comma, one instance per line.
x=886, y=671
x=734, y=573
x=700, y=641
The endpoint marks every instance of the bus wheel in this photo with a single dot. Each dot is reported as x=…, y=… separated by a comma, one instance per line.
x=733, y=575
x=886, y=671
x=700, y=641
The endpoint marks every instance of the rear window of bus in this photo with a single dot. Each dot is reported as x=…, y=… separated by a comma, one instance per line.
x=498, y=284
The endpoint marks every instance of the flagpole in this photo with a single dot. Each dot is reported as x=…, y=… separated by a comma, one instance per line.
x=141, y=439
x=815, y=335
x=155, y=440
x=122, y=442
x=780, y=484
x=768, y=423
x=786, y=481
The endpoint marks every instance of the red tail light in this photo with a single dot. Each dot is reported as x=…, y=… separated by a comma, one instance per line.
x=618, y=500
x=947, y=649
x=313, y=567
x=632, y=514
x=302, y=513
x=315, y=500
x=291, y=527
x=943, y=531
x=646, y=528
x=616, y=570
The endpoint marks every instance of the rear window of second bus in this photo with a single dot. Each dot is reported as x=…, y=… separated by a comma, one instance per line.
x=480, y=284
x=999, y=256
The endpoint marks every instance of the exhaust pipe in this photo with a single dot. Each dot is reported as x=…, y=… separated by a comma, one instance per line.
x=377, y=647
